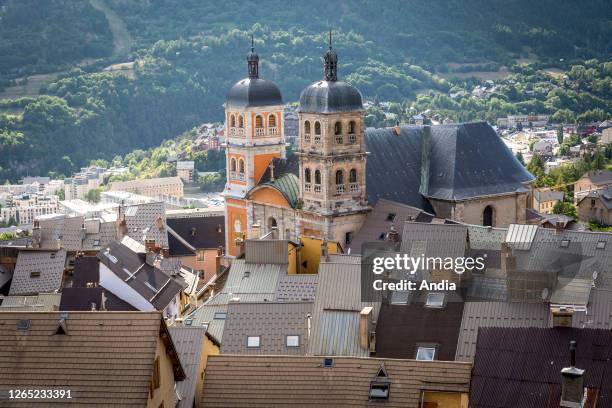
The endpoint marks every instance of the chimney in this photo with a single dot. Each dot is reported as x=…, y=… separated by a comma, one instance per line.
x=159, y=221
x=508, y=261
x=93, y=306
x=365, y=321
x=103, y=302
x=36, y=234
x=393, y=235
x=239, y=246
x=562, y=316
x=573, y=393
x=324, y=250
x=255, y=230
x=150, y=245
x=121, y=227
x=218, y=260
x=397, y=129
x=559, y=227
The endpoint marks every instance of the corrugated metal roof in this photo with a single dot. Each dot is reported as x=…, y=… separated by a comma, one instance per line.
x=336, y=333
x=496, y=314
x=521, y=236
x=273, y=322
x=266, y=251
x=188, y=342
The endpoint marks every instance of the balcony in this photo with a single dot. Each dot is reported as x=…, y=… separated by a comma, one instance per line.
x=241, y=132
x=317, y=139
x=234, y=175
x=352, y=138
x=339, y=139
x=307, y=188
x=272, y=131
x=307, y=138
x=317, y=189
x=260, y=131
x=353, y=187
x=339, y=188
x=233, y=131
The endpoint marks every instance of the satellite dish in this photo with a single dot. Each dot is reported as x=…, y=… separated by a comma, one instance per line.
x=595, y=274
x=545, y=294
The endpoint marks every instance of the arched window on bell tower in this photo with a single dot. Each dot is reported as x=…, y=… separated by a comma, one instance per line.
x=339, y=182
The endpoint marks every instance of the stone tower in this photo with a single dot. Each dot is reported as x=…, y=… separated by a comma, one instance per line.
x=332, y=156
x=255, y=135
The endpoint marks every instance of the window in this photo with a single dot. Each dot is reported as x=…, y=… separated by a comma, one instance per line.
x=220, y=316
x=487, y=216
x=426, y=353
x=156, y=376
x=339, y=177
x=232, y=121
x=565, y=243
x=233, y=164
x=307, y=175
x=35, y=274
x=592, y=202
x=253, y=341
x=241, y=166
x=352, y=127
x=338, y=128
x=272, y=120
x=435, y=300
x=317, y=177
x=379, y=391
x=353, y=176
x=391, y=217
x=240, y=122
x=258, y=121
x=307, y=127
x=601, y=245
x=328, y=362
x=317, y=128
x=348, y=237
x=200, y=255
x=293, y=341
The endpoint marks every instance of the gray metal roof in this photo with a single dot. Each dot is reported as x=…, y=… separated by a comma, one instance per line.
x=599, y=311
x=266, y=251
x=188, y=342
x=296, y=288
x=46, y=264
x=209, y=316
x=575, y=292
x=445, y=162
x=273, y=322
x=259, y=279
x=335, y=321
x=496, y=314
x=43, y=302
x=330, y=97
x=444, y=240
x=253, y=92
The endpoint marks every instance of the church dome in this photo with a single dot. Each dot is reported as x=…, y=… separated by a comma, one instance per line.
x=253, y=92
x=330, y=97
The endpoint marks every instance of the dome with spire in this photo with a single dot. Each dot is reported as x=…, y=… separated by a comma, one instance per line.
x=253, y=91
x=330, y=95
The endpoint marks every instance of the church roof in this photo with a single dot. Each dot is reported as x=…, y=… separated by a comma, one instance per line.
x=285, y=178
x=330, y=97
x=253, y=92
x=446, y=162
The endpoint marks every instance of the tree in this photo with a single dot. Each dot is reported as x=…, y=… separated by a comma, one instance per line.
x=93, y=195
x=560, y=134
x=520, y=158
x=565, y=208
x=536, y=165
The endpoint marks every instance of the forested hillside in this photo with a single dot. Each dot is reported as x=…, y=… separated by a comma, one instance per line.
x=187, y=54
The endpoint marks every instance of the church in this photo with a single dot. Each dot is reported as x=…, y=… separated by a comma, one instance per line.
x=325, y=190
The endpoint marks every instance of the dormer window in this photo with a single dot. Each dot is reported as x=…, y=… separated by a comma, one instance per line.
x=380, y=386
x=435, y=300
x=564, y=243
x=601, y=245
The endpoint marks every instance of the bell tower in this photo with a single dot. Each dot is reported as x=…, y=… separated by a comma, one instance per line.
x=254, y=128
x=332, y=156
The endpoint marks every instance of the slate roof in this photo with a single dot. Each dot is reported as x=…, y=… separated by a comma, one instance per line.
x=477, y=315
x=154, y=285
x=522, y=366
x=43, y=302
x=273, y=322
x=199, y=232
x=59, y=227
x=549, y=195
x=335, y=318
x=384, y=214
x=283, y=381
x=253, y=92
x=47, y=263
x=189, y=345
x=599, y=177
x=400, y=329
x=105, y=359
x=330, y=97
x=81, y=299
x=296, y=288
x=605, y=196
x=141, y=222
x=445, y=162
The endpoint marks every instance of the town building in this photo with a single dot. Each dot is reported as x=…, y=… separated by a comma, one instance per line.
x=513, y=121
x=77, y=186
x=591, y=181
x=462, y=172
x=186, y=171
x=596, y=206
x=544, y=200
x=119, y=359
x=155, y=187
x=25, y=208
